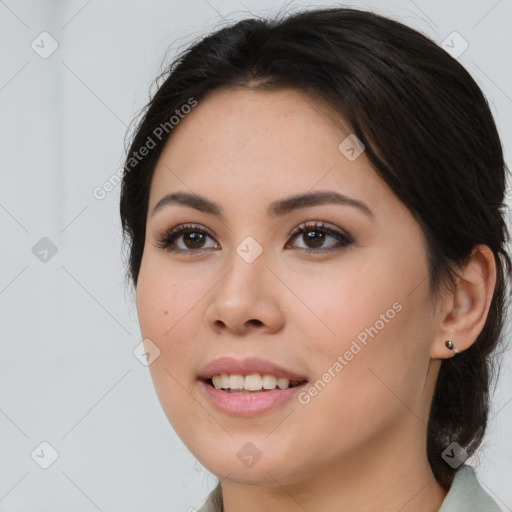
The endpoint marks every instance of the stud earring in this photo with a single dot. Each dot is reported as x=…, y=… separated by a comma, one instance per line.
x=449, y=344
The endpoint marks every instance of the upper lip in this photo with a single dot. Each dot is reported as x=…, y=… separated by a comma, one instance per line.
x=247, y=366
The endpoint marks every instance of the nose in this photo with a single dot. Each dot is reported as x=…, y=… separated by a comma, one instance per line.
x=246, y=299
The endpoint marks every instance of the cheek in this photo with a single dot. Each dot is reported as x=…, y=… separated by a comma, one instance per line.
x=368, y=339
x=367, y=297
x=166, y=312
x=339, y=305
x=363, y=393
x=163, y=302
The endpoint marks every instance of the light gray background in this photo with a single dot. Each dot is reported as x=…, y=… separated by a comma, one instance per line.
x=68, y=373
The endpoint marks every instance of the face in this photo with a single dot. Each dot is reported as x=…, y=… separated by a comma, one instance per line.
x=335, y=291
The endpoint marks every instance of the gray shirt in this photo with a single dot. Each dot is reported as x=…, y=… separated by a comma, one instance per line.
x=465, y=495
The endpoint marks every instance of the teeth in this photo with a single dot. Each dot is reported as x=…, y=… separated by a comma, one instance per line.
x=252, y=382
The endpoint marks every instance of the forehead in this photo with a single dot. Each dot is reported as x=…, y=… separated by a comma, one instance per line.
x=255, y=139
x=236, y=116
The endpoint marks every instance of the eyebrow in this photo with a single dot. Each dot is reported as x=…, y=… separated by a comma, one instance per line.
x=275, y=209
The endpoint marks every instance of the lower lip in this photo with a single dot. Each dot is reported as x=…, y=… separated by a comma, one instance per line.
x=249, y=404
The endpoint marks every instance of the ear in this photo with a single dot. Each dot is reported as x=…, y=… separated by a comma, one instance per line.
x=464, y=310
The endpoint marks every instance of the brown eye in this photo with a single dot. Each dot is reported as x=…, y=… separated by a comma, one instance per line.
x=315, y=238
x=314, y=235
x=193, y=239
x=185, y=238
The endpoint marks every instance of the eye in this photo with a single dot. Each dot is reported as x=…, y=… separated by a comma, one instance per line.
x=314, y=234
x=190, y=236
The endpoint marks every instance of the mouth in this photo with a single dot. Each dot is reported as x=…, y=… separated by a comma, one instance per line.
x=250, y=384
x=248, y=394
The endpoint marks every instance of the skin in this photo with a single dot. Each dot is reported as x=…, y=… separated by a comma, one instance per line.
x=360, y=443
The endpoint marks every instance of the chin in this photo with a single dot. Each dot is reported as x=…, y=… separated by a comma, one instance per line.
x=263, y=471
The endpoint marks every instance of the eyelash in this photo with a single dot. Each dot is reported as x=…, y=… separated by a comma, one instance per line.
x=166, y=241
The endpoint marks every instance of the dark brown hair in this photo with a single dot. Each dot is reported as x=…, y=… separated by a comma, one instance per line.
x=428, y=132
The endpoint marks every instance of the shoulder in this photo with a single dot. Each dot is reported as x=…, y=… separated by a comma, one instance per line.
x=467, y=495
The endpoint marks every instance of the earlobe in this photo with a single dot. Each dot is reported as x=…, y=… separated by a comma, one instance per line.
x=467, y=306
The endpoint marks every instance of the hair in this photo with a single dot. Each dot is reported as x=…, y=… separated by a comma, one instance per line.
x=427, y=130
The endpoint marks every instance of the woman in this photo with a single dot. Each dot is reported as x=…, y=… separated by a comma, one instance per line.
x=313, y=211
